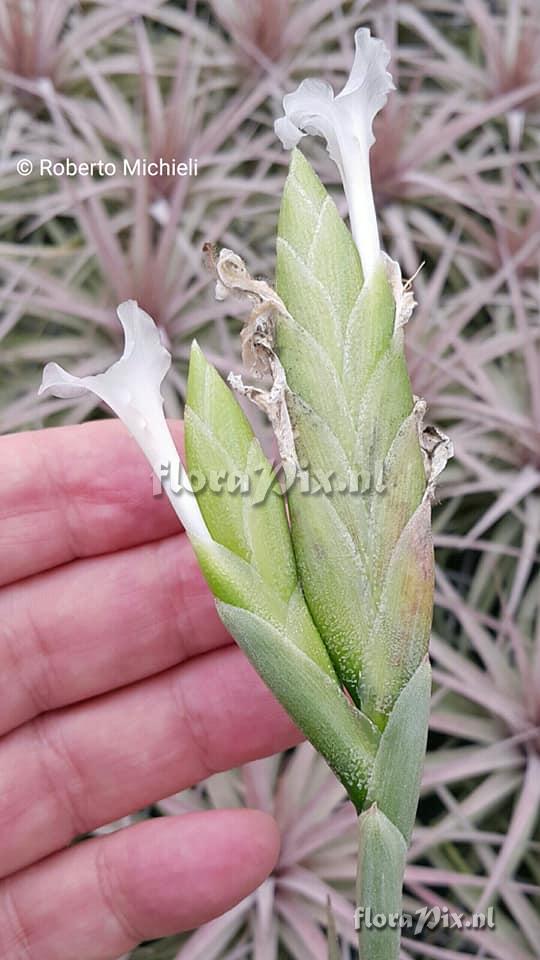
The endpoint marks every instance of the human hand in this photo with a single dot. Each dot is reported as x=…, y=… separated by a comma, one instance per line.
x=120, y=686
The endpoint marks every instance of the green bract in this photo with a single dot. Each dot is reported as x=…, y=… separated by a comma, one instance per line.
x=251, y=569
x=364, y=551
x=334, y=612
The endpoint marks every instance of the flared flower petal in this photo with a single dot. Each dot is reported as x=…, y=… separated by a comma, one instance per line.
x=346, y=123
x=131, y=387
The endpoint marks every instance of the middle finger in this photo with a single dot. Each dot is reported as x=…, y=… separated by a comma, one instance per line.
x=67, y=772
x=96, y=624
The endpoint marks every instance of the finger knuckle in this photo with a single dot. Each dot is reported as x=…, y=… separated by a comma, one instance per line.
x=60, y=771
x=113, y=895
x=14, y=934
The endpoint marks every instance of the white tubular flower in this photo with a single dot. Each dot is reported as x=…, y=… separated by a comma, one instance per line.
x=346, y=123
x=132, y=388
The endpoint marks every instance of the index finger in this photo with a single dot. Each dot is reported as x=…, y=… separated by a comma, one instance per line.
x=71, y=492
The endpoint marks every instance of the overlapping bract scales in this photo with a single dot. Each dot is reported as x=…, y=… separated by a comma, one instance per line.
x=250, y=566
x=365, y=557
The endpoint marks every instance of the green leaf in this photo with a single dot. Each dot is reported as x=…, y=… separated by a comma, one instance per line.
x=351, y=408
x=313, y=377
x=233, y=580
x=210, y=398
x=345, y=738
x=404, y=483
x=365, y=341
x=223, y=512
x=219, y=439
x=318, y=448
x=250, y=562
x=399, y=639
x=330, y=565
x=309, y=302
x=310, y=224
x=381, y=865
x=397, y=771
x=384, y=405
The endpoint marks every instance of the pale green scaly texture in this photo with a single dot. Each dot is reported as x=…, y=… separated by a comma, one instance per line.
x=251, y=570
x=381, y=864
x=395, y=779
x=365, y=558
x=362, y=560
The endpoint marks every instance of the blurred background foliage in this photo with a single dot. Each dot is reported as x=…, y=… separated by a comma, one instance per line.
x=457, y=181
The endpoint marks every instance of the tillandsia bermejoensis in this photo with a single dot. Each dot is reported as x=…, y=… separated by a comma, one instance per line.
x=322, y=570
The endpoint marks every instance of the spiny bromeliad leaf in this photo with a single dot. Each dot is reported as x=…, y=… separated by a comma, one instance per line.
x=351, y=408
